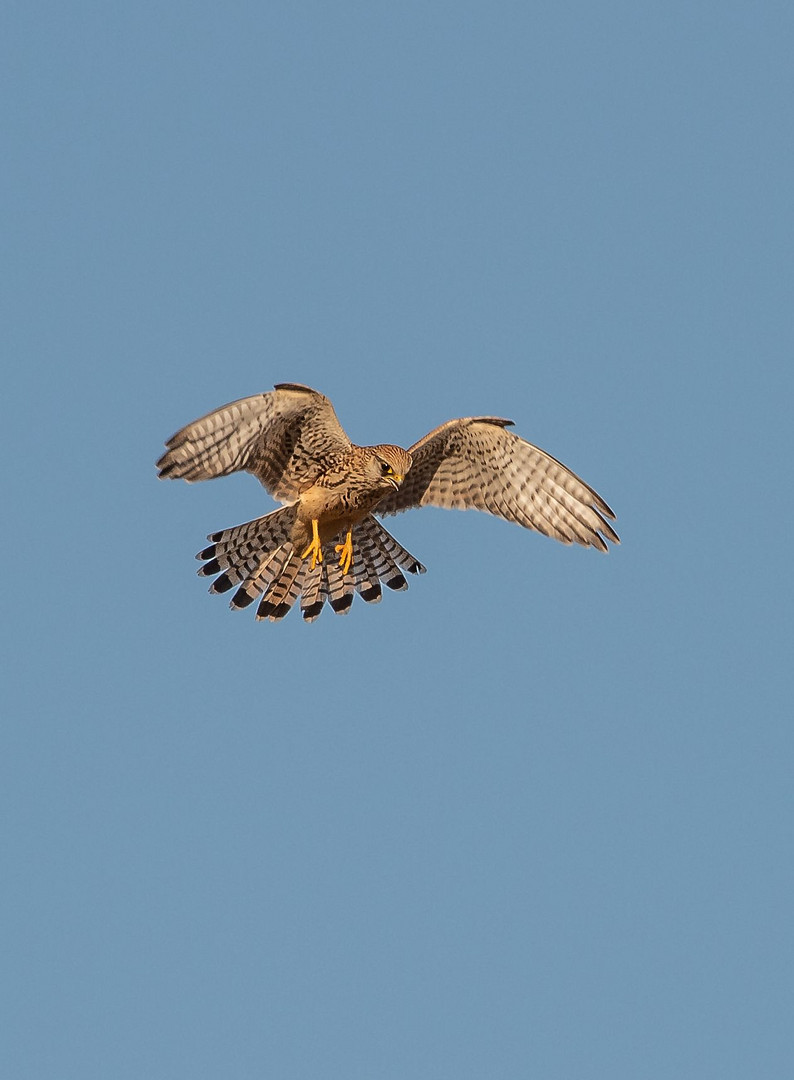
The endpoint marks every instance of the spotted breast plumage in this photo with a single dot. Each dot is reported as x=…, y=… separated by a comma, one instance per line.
x=324, y=543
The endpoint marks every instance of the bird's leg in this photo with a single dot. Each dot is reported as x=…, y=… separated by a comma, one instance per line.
x=345, y=552
x=315, y=548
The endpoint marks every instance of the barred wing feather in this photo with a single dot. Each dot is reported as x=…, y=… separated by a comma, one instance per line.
x=475, y=463
x=285, y=437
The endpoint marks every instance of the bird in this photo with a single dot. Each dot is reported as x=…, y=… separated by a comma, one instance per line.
x=324, y=543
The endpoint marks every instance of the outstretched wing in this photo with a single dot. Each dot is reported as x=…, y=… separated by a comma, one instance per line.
x=285, y=437
x=475, y=463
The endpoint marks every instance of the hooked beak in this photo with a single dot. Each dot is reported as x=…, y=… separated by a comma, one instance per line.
x=395, y=480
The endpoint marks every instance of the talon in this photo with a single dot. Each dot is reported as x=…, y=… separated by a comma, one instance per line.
x=315, y=548
x=345, y=552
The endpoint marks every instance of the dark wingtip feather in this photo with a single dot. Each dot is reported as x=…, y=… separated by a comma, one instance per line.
x=207, y=553
x=294, y=386
x=497, y=421
x=604, y=507
x=398, y=583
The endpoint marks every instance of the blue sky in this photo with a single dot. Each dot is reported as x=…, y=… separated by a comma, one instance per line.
x=532, y=817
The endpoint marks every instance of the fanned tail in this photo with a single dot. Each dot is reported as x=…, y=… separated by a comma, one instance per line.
x=259, y=560
x=250, y=556
x=285, y=589
x=379, y=557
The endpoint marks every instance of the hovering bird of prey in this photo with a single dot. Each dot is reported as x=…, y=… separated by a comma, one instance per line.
x=324, y=543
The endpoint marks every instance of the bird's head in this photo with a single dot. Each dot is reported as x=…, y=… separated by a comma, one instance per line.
x=390, y=464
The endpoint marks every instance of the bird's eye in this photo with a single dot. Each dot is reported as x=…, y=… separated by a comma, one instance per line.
x=387, y=470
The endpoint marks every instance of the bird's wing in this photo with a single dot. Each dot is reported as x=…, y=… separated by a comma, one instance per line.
x=285, y=437
x=475, y=463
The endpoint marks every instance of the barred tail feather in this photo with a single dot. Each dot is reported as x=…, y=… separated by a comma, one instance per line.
x=238, y=554
x=387, y=556
x=313, y=595
x=367, y=578
x=268, y=573
x=284, y=590
x=377, y=557
x=259, y=561
x=340, y=588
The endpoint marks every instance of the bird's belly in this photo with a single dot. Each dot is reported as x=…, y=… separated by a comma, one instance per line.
x=332, y=514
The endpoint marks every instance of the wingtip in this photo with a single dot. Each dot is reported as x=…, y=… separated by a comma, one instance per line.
x=496, y=421
x=298, y=387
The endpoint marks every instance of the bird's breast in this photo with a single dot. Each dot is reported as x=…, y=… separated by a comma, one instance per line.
x=336, y=507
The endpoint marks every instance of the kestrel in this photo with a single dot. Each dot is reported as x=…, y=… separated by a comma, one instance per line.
x=324, y=543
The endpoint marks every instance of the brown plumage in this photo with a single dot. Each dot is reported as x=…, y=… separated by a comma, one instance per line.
x=292, y=441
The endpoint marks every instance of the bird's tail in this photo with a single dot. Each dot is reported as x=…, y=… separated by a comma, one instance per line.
x=260, y=560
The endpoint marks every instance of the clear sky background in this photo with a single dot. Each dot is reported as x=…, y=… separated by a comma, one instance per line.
x=532, y=818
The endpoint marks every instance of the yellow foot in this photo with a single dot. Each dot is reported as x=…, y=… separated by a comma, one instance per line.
x=345, y=552
x=315, y=548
